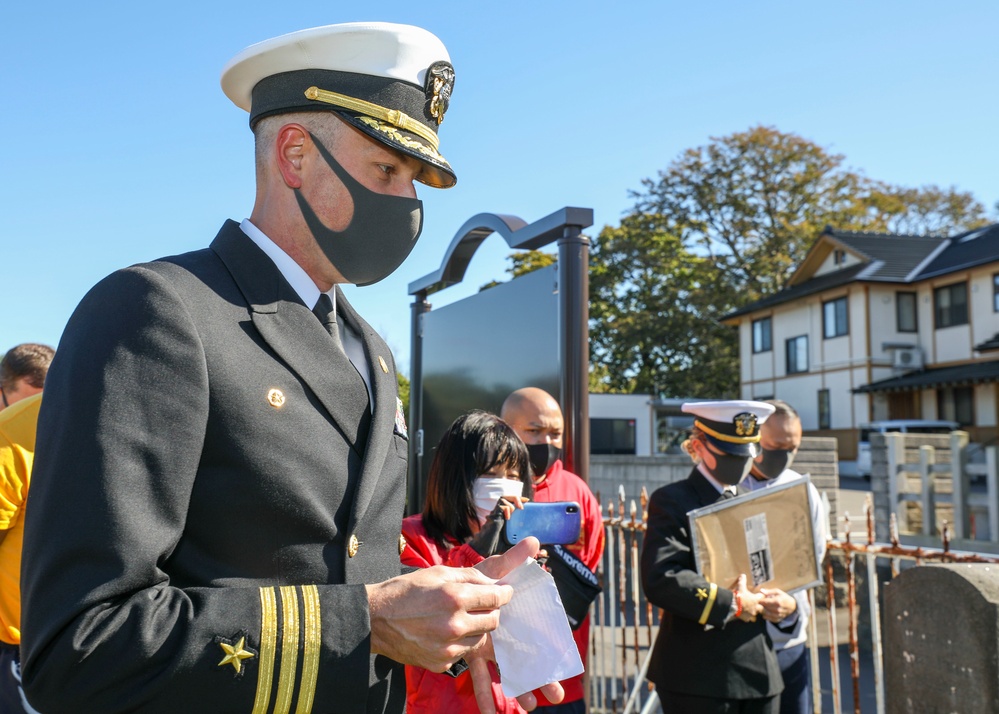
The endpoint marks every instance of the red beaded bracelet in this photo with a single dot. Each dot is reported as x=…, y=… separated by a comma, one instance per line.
x=738, y=603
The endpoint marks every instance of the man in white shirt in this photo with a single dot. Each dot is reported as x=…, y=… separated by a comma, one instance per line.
x=787, y=615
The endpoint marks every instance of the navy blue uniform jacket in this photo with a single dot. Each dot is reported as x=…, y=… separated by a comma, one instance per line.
x=201, y=521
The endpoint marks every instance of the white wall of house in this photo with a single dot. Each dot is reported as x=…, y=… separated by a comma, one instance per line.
x=829, y=264
x=865, y=354
x=883, y=301
x=984, y=318
x=952, y=344
x=985, y=405
x=628, y=406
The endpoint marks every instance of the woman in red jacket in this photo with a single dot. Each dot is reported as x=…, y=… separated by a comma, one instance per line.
x=479, y=474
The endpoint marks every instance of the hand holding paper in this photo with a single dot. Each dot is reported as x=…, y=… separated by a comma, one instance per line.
x=533, y=645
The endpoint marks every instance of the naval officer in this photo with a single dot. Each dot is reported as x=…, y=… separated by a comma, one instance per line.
x=215, y=516
x=713, y=654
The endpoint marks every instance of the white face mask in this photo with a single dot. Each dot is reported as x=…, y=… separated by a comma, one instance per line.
x=488, y=490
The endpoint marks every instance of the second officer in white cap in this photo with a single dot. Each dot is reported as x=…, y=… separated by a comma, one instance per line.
x=215, y=514
x=712, y=654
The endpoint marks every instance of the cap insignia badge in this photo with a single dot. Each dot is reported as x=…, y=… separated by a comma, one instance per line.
x=702, y=593
x=440, y=82
x=745, y=424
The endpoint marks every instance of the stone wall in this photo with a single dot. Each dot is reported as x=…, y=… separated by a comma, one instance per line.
x=911, y=514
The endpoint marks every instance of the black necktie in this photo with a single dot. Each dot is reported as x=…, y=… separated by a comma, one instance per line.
x=327, y=316
x=355, y=390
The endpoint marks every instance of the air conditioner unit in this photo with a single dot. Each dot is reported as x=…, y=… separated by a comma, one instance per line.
x=908, y=358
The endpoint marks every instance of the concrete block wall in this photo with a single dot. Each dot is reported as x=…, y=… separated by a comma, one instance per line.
x=910, y=521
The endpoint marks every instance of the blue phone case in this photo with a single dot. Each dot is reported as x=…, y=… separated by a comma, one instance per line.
x=551, y=523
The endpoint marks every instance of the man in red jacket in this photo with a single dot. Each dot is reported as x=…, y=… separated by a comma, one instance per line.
x=537, y=418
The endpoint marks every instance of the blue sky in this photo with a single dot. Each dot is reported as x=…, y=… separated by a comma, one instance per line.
x=119, y=147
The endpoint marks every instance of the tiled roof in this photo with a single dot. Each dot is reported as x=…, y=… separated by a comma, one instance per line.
x=897, y=255
x=893, y=258
x=810, y=287
x=965, y=251
x=989, y=345
x=964, y=374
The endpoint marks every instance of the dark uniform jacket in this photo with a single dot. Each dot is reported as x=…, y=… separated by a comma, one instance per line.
x=733, y=660
x=201, y=521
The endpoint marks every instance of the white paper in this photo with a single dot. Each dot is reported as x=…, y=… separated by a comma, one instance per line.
x=533, y=643
x=761, y=561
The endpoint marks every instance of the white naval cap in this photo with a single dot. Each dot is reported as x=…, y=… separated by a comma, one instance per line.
x=393, y=82
x=733, y=426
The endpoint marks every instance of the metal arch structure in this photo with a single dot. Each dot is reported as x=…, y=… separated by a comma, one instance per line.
x=564, y=227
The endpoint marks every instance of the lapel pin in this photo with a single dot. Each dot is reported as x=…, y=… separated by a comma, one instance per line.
x=381, y=363
x=275, y=398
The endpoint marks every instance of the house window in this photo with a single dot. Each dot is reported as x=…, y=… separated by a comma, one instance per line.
x=797, y=354
x=612, y=436
x=834, y=318
x=761, y=335
x=995, y=292
x=824, y=416
x=839, y=257
x=905, y=312
x=956, y=404
x=950, y=305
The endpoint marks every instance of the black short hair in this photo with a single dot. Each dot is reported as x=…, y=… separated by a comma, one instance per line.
x=473, y=444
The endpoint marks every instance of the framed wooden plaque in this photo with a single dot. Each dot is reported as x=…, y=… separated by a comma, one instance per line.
x=767, y=534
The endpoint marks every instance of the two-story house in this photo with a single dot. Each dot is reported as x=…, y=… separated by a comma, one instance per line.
x=879, y=326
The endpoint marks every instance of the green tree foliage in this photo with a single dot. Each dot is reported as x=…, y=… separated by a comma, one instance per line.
x=403, y=382
x=724, y=225
x=654, y=306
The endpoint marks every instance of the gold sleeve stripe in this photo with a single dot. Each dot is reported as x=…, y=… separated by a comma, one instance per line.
x=310, y=658
x=268, y=642
x=392, y=116
x=709, y=604
x=726, y=437
x=289, y=650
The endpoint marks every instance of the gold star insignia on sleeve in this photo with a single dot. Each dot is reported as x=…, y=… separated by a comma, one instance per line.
x=234, y=654
x=702, y=593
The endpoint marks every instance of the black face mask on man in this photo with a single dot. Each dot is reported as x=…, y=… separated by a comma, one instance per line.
x=775, y=462
x=730, y=470
x=381, y=233
x=542, y=457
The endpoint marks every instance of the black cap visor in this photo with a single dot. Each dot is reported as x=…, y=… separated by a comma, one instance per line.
x=751, y=449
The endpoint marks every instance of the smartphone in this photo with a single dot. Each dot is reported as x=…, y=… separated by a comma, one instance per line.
x=555, y=523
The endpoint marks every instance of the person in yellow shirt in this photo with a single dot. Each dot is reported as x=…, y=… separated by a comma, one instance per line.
x=17, y=451
x=22, y=372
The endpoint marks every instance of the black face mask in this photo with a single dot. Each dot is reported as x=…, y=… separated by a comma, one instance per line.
x=730, y=470
x=542, y=457
x=775, y=462
x=381, y=233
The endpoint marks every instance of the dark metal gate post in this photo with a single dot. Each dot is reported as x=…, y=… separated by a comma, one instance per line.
x=574, y=354
x=565, y=226
x=415, y=487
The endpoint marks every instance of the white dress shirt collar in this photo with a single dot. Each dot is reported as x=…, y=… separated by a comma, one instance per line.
x=296, y=276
